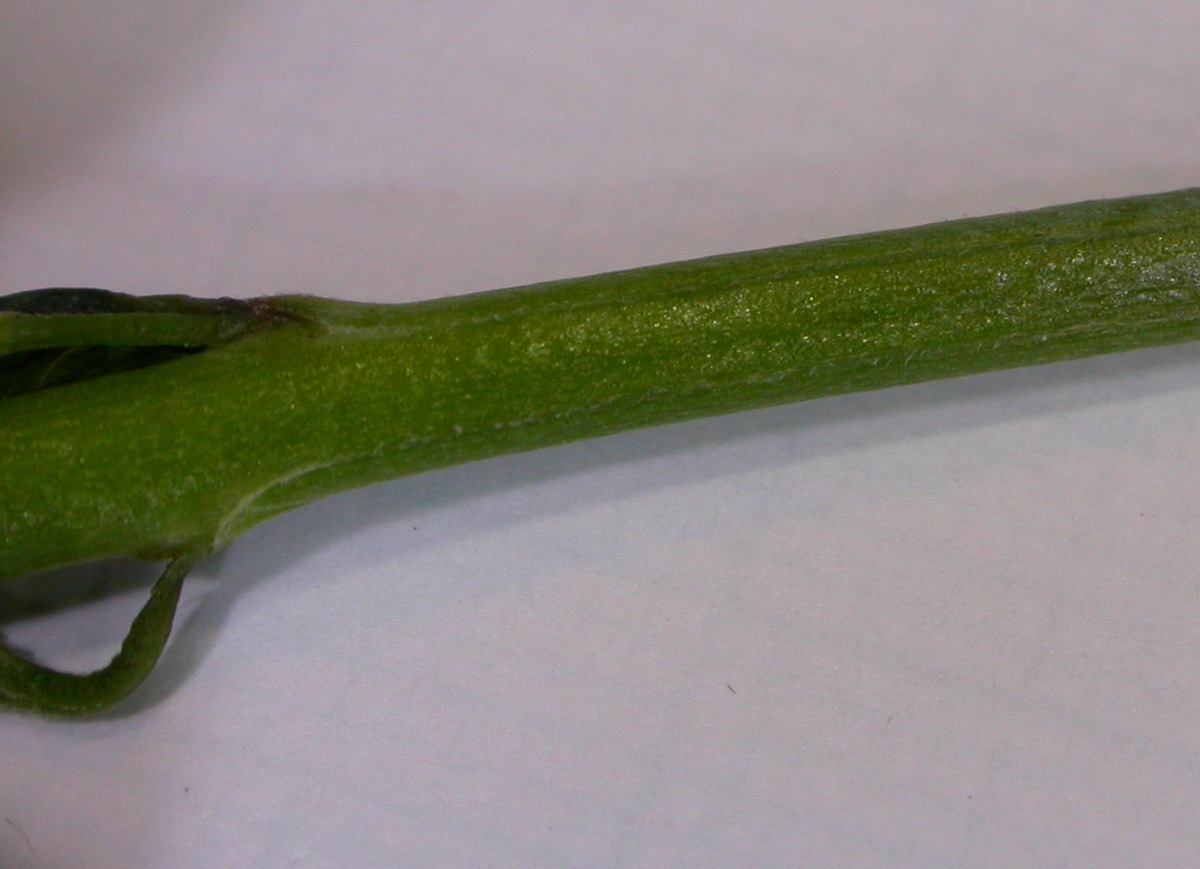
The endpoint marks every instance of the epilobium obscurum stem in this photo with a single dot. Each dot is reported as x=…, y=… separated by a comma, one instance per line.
x=163, y=427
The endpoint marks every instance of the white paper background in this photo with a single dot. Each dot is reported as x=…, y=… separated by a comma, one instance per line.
x=954, y=625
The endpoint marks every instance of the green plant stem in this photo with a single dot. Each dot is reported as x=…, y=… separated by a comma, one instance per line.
x=312, y=396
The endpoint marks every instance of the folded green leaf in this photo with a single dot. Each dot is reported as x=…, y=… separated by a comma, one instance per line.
x=58, y=336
